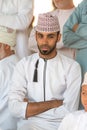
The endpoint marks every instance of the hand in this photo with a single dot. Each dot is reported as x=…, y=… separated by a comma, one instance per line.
x=75, y=27
x=25, y=100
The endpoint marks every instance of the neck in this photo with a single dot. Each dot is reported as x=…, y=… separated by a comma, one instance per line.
x=67, y=7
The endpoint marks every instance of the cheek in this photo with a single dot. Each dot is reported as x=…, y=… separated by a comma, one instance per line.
x=82, y=99
x=0, y=45
x=39, y=42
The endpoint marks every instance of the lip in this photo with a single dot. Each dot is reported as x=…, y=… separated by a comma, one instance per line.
x=44, y=48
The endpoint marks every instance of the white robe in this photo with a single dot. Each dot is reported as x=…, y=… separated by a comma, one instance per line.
x=6, y=69
x=17, y=14
x=75, y=121
x=58, y=78
x=62, y=15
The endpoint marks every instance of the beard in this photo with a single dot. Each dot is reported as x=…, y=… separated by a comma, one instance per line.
x=48, y=49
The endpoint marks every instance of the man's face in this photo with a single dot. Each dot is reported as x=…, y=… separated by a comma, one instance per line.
x=2, y=50
x=84, y=96
x=2, y=46
x=46, y=42
x=62, y=4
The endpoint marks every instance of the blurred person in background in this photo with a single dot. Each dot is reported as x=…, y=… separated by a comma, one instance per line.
x=77, y=120
x=8, y=60
x=75, y=34
x=17, y=14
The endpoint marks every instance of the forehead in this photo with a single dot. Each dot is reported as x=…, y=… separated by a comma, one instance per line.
x=84, y=88
x=58, y=0
x=1, y=43
x=46, y=33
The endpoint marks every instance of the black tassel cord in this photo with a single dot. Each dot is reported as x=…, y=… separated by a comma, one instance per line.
x=35, y=78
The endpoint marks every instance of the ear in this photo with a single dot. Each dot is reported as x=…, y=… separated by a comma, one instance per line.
x=59, y=37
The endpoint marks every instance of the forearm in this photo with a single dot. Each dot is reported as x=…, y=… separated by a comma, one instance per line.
x=75, y=39
x=39, y=107
x=70, y=38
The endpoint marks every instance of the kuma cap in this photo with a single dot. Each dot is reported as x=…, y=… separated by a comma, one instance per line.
x=47, y=23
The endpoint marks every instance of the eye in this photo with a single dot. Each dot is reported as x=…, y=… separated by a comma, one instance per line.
x=50, y=36
x=84, y=93
x=40, y=36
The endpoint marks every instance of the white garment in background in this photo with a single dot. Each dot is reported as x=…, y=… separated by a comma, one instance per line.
x=7, y=122
x=75, y=121
x=58, y=78
x=62, y=15
x=17, y=14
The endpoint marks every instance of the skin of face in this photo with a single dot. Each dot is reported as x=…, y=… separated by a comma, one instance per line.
x=5, y=51
x=84, y=96
x=63, y=4
x=2, y=50
x=46, y=42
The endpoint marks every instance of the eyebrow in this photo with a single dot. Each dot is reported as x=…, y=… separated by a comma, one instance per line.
x=51, y=34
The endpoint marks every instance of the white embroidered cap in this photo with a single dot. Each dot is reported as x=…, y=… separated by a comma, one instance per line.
x=85, y=79
x=47, y=23
x=7, y=36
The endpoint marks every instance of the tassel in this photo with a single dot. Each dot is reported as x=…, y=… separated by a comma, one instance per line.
x=35, y=78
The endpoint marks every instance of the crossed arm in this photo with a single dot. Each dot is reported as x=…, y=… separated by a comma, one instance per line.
x=39, y=107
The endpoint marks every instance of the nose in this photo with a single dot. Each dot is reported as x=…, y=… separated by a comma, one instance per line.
x=45, y=40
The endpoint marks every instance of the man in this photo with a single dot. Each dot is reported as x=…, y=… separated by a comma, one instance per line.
x=7, y=63
x=17, y=14
x=75, y=34
x=64, y=9
x=50, y=81
x=77, y=120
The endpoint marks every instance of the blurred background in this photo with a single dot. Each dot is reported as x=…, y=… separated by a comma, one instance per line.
x=40, y=4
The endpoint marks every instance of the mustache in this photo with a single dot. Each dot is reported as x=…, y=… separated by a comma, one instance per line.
x=45, y=45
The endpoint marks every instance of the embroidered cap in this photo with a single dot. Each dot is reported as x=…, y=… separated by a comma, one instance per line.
x=47, y=23
x=85, y=79
x=7, y=36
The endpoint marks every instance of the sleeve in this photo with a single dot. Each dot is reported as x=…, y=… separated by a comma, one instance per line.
x=78, y=39
x=4, y=81
x=72, y=93
x=1, y=76
x=18, y=92
x=20, y=20
x=3, y=90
